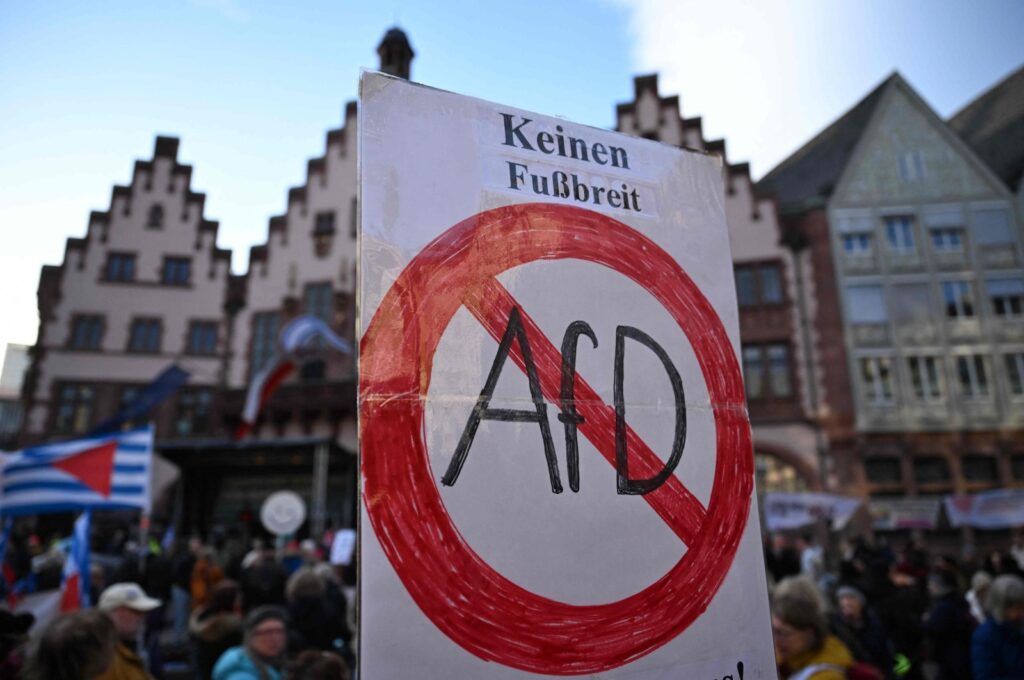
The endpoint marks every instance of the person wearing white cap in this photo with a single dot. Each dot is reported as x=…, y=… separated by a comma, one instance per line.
x=126, y=604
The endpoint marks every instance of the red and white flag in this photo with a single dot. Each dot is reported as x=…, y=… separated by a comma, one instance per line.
x=75, y=584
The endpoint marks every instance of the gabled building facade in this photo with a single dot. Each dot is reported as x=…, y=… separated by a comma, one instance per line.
x=145, y=287
x=921, y=284
x=776, y=298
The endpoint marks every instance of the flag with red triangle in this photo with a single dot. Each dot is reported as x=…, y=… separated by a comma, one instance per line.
x=110, y=471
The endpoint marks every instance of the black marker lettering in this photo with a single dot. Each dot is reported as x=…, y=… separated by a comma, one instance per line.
x=482, y=411
x=627, y=486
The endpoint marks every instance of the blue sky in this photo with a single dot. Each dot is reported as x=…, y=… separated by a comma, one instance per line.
x=251, y=87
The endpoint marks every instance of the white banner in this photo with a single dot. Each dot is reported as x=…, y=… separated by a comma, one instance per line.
x=904, y=513
x=555, y=453
x=797, y=510
x=999, y=509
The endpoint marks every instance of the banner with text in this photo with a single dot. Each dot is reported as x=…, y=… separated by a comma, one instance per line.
x=798, y=510
x=904, y=513
x=999, y=509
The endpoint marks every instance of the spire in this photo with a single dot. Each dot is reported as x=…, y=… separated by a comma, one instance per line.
x=395, y=53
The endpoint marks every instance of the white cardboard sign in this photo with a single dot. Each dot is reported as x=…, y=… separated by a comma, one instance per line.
x=556, y=465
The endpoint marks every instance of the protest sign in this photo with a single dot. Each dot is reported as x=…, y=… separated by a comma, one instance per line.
x=512, y=265
x=283, y=512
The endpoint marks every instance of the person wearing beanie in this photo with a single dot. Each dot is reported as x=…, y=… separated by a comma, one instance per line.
x=261, y=653
x=870, y=642
x=127, y=605
x=948, y=627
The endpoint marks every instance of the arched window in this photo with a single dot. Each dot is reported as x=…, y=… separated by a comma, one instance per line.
x=156, y=217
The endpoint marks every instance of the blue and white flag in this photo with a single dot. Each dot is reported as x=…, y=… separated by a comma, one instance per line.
x=149, y=397
x=75, y=582
x=111, y=472
x=303, y=330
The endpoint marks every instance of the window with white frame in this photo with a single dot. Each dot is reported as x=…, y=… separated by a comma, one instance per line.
x=866, y=304
x=1015, y=373
x=972, y=373
x=899, y=230
x=263, y=343
x=767, y=371
x=912, y=166
x=958, y=299
x=876, y=380
x=856, y=233
x=857, y=244
x=924, y=378
x=753, y=372
x=948, y=239
x=1006, y=296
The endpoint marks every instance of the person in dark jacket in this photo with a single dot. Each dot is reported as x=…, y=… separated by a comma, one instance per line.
x=947, y=627
x=872, y=644
x=216, y=627
x=997, y=647
x=76, y=646
x=317, y=623
x=264, y=581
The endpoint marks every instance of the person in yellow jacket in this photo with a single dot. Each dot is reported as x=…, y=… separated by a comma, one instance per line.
x=804, y=649
x=126, y=604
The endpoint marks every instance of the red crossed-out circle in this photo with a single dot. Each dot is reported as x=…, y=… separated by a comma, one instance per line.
x=474, y=605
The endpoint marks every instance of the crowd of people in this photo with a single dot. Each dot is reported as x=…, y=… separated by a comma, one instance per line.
x=194, y=610
x=878, y=614
x=861, y=611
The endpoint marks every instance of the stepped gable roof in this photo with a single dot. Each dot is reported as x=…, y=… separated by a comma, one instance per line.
x=812, y=172
x=993, y=125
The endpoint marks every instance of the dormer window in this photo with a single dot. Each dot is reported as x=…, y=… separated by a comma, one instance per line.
x=912, y=166
x=155, y=219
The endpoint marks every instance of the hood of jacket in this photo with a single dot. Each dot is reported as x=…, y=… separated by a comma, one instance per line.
x=215, y=626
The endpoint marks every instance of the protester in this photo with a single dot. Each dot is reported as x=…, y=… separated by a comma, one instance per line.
x=948, y=628
x=316, y=622
x=76, y=646
x=976, y=596
x=871, y=641
x=314, y=665
x=781, y=559
x=812, y=557
x=216, y=627
x=263, y=583
x=261, y=654
x=804, y=649
x=205, y=575
x=126, y=604
x=183, y=561
x=13, y=639
x=997, y=647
